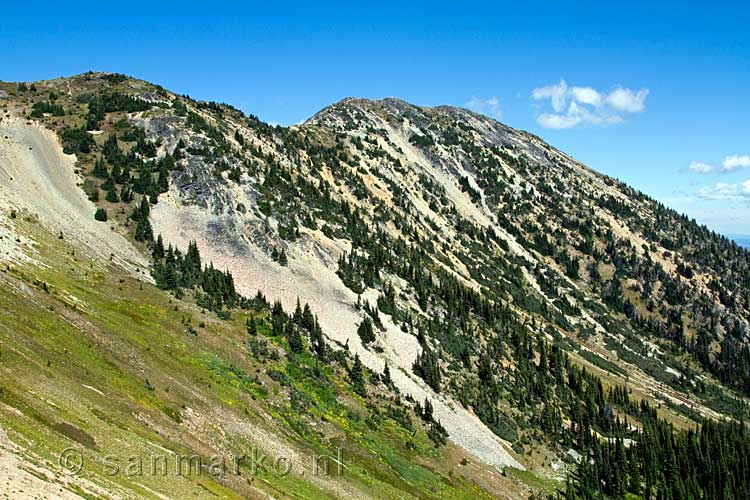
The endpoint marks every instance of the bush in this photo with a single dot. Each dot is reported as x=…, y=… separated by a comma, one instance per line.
x=91, y=190
x=40, y=108
x=100, y=215
x=437, y=433
x=421, y=140
x=77, y=141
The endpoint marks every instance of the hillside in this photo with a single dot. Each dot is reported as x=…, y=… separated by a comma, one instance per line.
x=480, y=309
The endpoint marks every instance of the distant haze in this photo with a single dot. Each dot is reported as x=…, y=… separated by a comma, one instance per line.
x=742, y=240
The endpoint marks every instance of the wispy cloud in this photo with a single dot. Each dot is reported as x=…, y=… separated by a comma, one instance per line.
x=726, y=191
x=557, y=94
x=731, y=163
x=700, y=167
x=736, y=162
x=490, y=107
x=574, y=106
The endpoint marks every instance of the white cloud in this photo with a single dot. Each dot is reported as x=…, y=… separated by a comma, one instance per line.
x=574, y=106
x=490, y=107
x=586, y=95
x=735, y=162
x=700, y=167
x=628, y=101
x=551, y=120
x=730, y=164
x=726, y=191
x=557, y=94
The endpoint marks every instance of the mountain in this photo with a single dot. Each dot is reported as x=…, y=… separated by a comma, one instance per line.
x=426, y=301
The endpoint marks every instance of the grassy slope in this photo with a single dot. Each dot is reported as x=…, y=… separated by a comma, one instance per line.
x=110, y=358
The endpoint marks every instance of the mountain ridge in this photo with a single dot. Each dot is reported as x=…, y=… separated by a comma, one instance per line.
x=488, y=265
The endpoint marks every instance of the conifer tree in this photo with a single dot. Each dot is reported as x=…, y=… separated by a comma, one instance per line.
x=308, y=320
x=356, y=375
x=157, y=253
x=365, y=331
x=252, y=329
x=297, y=317
x=317, y=340
x=294, y=338
x=100, y=169
x=386, y=377
x=163, y=180
x=426, y=366
x=112, y=195
x=126, y=196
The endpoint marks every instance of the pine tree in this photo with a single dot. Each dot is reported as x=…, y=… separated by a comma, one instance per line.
x=163, y=180
x=308, y=320
x=143, y=231
x=125, y=194
x=437, y=433
x=238, y=137
x=294, y=338
x=297, y=317
x=427, y=410
x=317, y=340
x=170, y=276
x=426, y=366
x=252, y=329
x=356, y=375
x=108, y=184
x=365, y=331
x=100, y=169
x=158, y=251
x=116, y=174
x=386, y=377
x=112, y=195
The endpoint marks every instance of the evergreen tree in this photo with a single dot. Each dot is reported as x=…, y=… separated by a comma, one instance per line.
x=252, y=329
x=297, y=316
x=386, y=377
x=426, y=366
x=163, y=180
x=365, y=331
x=100, y=169
x=112, y=195
x=317, y=340
x=308, y=320
x=157, y=252
x=294, y=338
x=356, y=376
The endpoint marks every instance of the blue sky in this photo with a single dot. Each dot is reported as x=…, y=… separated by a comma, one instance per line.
x=645, y=92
